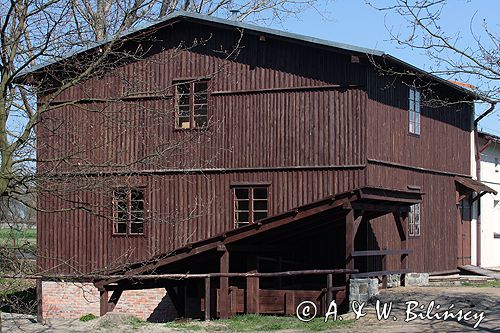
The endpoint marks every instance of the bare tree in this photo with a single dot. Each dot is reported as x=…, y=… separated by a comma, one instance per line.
x=474, y=65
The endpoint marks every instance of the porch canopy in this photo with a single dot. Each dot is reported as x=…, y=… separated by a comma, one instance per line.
x=315, y=236
x=469, y=185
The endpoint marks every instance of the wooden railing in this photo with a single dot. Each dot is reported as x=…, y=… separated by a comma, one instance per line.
x=384, y=272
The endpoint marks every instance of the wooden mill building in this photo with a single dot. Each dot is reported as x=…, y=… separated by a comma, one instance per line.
x=216, y=146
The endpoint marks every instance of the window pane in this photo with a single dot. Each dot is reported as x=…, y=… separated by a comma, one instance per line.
x=137, y=228
x=183, y=118
x=183, y=88
x=200, y=115
x=412, y=94
x=242, y=205
x=260, y=193
x=241, y=193
x=260, y=205
x=200, y=87
x=120, y=228
x=242, y=217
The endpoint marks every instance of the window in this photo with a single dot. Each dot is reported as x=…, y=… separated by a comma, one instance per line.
x=250, y=204
x=414, y=220
x=128, y=211
x=414, y=111
x=191, y=104
x=465, y=210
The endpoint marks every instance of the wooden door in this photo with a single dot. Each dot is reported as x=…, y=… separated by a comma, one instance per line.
x=464, y=232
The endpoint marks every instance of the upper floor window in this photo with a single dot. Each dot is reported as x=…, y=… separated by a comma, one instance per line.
x=414, y=111
x=128, y=211
x=414, y=221
x=191, y=104
x=250, y=204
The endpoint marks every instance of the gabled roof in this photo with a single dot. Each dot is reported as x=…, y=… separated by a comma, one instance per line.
x=231, y=24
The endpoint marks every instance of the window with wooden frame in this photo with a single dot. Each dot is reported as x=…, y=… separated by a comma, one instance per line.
x=414, y=111
x=191, y=104
x=128, y=211
x=414, y=221
x=250, y=204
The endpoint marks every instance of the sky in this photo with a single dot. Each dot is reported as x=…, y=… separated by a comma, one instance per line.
x=354, y=22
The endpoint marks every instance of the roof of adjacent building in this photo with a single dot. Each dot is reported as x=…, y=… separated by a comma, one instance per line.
x=212, y=20
x=494, y=137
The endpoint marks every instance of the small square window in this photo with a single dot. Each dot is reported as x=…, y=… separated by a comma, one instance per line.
x=191, y=104
x=128, y=211
x=250, y=204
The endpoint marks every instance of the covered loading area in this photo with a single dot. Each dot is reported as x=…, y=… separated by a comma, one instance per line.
x=274, y=264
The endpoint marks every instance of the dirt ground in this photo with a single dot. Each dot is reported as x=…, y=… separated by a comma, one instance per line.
x=473, y=299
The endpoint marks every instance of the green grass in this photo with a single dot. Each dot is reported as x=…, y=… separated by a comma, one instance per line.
x=24, y=238
x=486, y=284
x=136, y=322
x=88, y=317
x=7, y=235
x=251, y=323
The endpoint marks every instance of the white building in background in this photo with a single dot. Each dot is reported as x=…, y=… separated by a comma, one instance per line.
x=489, y=146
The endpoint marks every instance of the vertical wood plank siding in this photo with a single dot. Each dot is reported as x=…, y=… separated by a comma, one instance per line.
x=335, y=130
x=443, y=145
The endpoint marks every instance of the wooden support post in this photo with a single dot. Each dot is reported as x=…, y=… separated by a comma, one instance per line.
x=252, y=292
x=401, y=224
x=113, y=300
x=384, y=267
x=329, y=290
x=103, y=302
x=349, y=239
x=39, y=301
x=224, y=286
x=207, y=298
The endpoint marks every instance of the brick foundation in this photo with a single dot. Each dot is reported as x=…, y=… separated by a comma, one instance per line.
x=72, y=300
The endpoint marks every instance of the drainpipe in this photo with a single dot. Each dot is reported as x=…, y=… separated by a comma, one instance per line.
x=478, y=177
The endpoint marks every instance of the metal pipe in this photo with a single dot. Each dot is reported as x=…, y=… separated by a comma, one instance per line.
x=478, y=177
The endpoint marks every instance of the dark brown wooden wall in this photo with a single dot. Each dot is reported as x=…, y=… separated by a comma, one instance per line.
x=398, y=159
x=180, y=209
x=306, y=143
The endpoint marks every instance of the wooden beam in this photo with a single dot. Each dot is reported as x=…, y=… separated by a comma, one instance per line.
x=379, y=273
x=224, y=286
x=113, y=300
x=349, y=239
x=375, y=253
x=103, y=302
x=329, y=290
x=161, y=262
x=398, y=219
x=207, y=298
x=356, y=224
x=380, y=207
x=39, y=301
x=402, y=227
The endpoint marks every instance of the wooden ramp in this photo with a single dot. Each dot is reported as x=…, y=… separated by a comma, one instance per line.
x=480, y=271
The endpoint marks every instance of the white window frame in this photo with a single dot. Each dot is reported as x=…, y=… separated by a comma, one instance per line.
x=414, y=221
x=414, y=104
